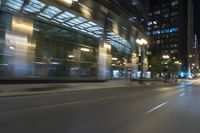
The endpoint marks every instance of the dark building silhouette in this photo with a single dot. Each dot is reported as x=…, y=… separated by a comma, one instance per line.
x=170, y=29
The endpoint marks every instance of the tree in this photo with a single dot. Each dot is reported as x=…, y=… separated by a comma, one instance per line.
x=173, y=68
x=156, y=66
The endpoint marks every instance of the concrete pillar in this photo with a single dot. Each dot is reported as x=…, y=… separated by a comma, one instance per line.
x=104, y=58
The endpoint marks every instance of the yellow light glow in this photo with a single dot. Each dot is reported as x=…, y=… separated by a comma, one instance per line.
x=86, y=11
x=22, y=25
x=85, y=49
x=141, y=41
x=107, y=46
x=67, y=2
x=115, y=28
x=12, y=48
x=138, y=41
x=166, y=56
x=71, y=56
x=114, y=58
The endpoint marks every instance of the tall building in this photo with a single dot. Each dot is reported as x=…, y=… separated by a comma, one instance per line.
x=170, y=29
x=194, y=56
x=196, y=17
x=68, y=40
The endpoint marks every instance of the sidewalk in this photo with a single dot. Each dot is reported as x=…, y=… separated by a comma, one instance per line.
x=28, y=89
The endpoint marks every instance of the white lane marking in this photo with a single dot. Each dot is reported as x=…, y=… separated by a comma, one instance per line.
x=157, y=107
x=182, y=94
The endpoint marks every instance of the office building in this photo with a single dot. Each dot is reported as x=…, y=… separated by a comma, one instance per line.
x=170, y=29
x=67, y=40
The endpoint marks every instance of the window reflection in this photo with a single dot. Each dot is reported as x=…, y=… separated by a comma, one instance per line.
x=38, y=40
x=49, y=51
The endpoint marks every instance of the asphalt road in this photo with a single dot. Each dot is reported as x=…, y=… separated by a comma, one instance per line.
x=146, y=109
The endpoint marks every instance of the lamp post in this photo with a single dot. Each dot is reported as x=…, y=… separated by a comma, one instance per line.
x=165, y=66
x=178, y=66
x=142, y=42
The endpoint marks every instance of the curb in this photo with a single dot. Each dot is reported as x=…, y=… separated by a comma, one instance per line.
x=23, y=92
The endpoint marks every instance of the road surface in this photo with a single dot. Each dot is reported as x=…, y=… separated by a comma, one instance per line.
x=140, y=109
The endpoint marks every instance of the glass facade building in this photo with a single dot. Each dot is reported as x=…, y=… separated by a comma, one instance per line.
x=47, y=39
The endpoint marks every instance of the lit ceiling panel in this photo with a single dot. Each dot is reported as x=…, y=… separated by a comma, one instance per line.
x=34, y=6
x=98, y=32
x=64, y=16
x=92, y=23
x=42, y=18
x=94, y=28
x=76, y=21
x=56, y=15
x=98, y=36
x=50, y=12
x=118, y=42
x=55, y=21
x=76, y=28
x=84, y=25
x=14, y=5
x=65, y=25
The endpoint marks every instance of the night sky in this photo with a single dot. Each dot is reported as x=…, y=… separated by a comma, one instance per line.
x=197, y=17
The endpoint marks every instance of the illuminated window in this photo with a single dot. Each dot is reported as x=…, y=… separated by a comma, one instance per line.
x=148, y=33
x=157, y=32
x=158, y=42
x=154, y=22
x=165, y=15
x=174, y=45
x=174, y=2
x=173, y=30
x=173, y=51
x=157, y=12
x=150, y=23
x=165, y=31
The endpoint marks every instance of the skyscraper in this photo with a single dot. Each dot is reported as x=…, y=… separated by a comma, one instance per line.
x=170, y=29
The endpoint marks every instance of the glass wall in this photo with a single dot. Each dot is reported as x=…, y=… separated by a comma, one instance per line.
x=37, y=49
x=42, y=39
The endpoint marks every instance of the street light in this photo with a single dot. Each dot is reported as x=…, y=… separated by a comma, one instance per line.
x=178, y=62
x=165, y=66
x=165, y=56
x=142, y=42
